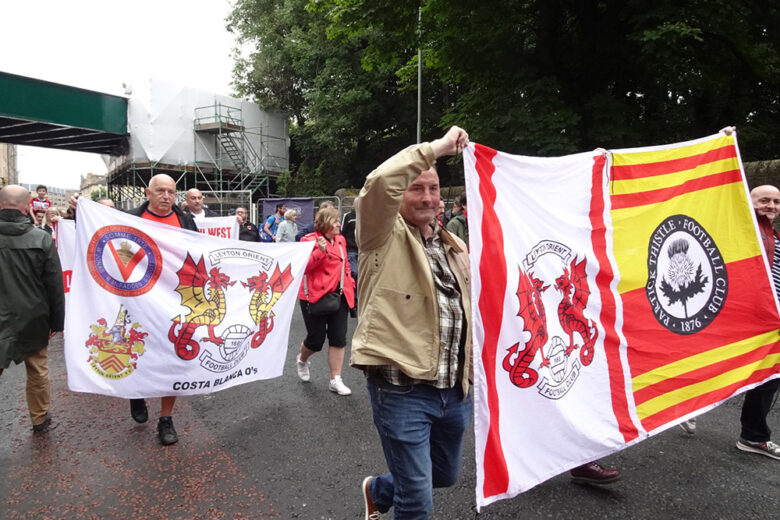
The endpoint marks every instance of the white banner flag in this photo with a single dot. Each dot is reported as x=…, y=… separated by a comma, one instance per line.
x=66, y=248
x=223, y=227
x=156, y=310
x=530, y=250
x=615, y=295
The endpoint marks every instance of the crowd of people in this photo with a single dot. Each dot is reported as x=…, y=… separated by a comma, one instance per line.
x=398, y=259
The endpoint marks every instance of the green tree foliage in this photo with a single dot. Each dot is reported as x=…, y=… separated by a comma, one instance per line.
x=99, y=193
x=343, y=115
x=537, y=77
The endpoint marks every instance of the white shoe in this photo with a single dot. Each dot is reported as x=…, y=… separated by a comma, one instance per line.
x=689, y=426
x=768, y=448
x=338, y=386
x=303, y=369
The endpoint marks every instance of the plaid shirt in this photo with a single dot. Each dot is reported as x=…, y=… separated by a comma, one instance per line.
x=451, y=320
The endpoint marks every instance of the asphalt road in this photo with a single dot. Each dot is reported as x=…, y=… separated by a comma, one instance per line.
x=286, y=449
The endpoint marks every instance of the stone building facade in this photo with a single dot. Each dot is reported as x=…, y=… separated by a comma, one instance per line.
x=8, y=171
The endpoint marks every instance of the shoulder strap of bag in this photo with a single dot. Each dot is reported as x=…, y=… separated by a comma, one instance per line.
x=341, y=283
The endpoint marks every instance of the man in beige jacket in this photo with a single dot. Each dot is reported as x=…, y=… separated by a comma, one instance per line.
x=413, y=339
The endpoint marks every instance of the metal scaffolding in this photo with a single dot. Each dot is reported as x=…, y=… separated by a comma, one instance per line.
x=244, y=149
x=214, y=143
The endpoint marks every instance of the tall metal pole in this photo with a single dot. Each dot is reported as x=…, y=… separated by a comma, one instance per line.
x=419, y=75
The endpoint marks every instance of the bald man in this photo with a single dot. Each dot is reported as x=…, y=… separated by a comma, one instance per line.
x=32, y=306
x=755, y=435
x=161, y=207
x=195, y=207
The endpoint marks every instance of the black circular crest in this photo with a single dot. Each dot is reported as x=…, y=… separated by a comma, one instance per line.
x=687, y=282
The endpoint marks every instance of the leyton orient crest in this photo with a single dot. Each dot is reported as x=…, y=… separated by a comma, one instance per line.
x=553, y=295
x=202, y=290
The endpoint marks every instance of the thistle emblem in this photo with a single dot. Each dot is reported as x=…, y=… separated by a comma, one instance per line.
x=680, y=284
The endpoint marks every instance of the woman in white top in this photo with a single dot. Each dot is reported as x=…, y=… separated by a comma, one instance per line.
x=287, y=228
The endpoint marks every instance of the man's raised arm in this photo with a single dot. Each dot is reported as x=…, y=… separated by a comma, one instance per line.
x=380, y=198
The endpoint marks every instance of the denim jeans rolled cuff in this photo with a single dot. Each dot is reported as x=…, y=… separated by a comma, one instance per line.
x=421, y=429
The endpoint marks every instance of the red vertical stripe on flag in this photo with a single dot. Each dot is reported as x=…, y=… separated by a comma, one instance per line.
x=604, y=279
x=492, y=273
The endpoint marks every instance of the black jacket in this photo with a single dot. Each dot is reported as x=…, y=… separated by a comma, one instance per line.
x=33, y=300
x=248, y=232
x=348, y=230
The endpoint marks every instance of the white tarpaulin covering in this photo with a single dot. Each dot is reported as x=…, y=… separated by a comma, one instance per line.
x=161, y=115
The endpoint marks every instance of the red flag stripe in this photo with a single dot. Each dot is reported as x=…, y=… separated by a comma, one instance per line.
x=705, y=373
x=492, y=272
x=651, y=345
x=639, y=171
x=646, y=198
x=674, y=412
x=608, y=312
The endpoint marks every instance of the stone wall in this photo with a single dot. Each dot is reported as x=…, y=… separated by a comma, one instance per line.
x=8, y=172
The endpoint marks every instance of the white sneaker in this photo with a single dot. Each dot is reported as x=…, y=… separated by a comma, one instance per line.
x=303, y=369
x=689, y=426
x=338, y=386
x=768, y=448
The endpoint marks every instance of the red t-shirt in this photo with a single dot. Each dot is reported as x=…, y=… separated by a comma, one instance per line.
x=39, y=206
x=171, y=219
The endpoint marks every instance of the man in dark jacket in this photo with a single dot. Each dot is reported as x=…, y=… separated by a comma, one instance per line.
x=247, y=231
x=195, y=207
x=348, y=230
x=459, y=224
x=161, y=207
x=33, y=302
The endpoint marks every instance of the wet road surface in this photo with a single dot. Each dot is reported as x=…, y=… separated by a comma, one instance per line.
x=287, y=449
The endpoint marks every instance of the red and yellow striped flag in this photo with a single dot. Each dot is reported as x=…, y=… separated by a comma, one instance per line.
x=699, y=314
x=615, y=295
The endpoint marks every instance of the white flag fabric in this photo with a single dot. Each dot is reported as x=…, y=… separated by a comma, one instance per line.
x=537, y=254
x=614, y=296
x=158, y=311
x=66, y=248
x=223, y=227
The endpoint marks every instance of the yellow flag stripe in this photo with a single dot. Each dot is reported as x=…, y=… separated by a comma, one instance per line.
x=653, y=156
x=669, y=399
x=673, y=179
x=697, y=361
x=723, y=211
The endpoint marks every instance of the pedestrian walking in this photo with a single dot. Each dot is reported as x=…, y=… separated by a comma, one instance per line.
x=413, y=338
x=326, y=295
x=161, y=207
x=32, y=306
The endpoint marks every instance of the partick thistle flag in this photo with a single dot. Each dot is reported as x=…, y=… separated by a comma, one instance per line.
x=156, y=311
x=615, y=295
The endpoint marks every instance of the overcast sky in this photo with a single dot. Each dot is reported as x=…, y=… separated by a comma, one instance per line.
x=98, y=45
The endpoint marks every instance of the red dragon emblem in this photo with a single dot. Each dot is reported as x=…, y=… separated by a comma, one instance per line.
x=265, y=294
x=573, y=286
x=207, y=306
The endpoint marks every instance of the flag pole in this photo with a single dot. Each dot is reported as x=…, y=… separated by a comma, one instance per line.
x=419, y=74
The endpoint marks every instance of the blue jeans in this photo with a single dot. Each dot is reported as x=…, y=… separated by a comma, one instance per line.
x=352, y=257
x=421, y=429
